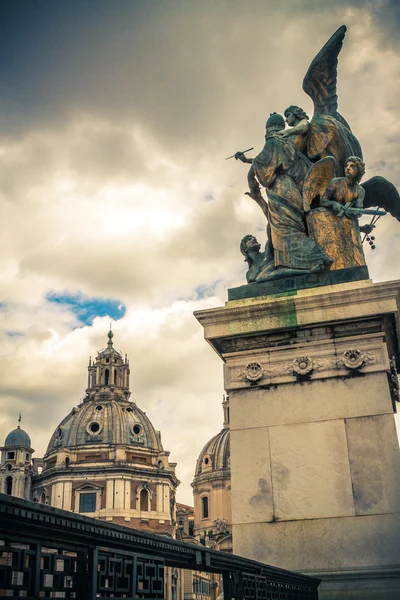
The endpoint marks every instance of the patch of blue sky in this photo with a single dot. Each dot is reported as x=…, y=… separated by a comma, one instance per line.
x=14, y=333
x=205, y=290
x=87, y=308
x=209, y=197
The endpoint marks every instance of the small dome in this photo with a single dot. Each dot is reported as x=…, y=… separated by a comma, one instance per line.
x=18, y=437
x=216, y=454
x=108, y=421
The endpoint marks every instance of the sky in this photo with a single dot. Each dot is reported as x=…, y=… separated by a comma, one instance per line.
x=117, y=202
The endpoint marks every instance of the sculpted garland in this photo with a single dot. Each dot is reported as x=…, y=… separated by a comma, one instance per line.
x=311, y=173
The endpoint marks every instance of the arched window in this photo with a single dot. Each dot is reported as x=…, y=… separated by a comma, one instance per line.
x=43, y=498
x=144, y=500
x=204, y=507
x=115, y=377
x=67, y=462
x=8, y=486
x=106, y=376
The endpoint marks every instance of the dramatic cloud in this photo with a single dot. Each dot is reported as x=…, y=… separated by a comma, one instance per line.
x=115, y=120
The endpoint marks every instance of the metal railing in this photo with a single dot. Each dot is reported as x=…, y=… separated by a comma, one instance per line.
x=46, y=552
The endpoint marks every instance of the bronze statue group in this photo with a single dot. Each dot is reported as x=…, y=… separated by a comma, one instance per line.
x=311, y=172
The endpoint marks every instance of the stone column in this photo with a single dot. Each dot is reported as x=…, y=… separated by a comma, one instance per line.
x=315, y=456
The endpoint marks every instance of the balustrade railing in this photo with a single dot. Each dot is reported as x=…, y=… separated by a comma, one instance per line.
x=50, y=553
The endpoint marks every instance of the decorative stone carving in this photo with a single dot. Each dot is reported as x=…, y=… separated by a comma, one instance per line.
x=394, y=380
x=355, y=359
x=352, y=359
x=302, y=366
x=253, y=371
x=220, y=525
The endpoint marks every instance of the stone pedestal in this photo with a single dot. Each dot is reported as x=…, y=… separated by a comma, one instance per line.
x=314, y=452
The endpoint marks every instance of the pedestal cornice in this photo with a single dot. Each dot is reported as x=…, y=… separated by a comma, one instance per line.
x=272, y=320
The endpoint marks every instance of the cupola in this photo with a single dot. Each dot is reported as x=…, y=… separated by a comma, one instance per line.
x=108, y=372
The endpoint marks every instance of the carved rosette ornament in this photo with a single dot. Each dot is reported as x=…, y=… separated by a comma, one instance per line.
x=253, y=372
x=353, y=358
x=302, y=366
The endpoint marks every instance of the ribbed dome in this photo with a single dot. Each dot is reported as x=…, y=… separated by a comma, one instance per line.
x=216, y=454
x=18, y=437
x=109, y=421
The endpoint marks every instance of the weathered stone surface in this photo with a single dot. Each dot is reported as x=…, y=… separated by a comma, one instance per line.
x=251, y=492
x=310, y=471
x=359, y=584
x=318, y=544
x=310, y=401
x=299, y=282
x=374, y=464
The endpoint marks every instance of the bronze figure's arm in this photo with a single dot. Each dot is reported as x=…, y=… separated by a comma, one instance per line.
x=328, y=199
x=301, y=129
x=243, y=158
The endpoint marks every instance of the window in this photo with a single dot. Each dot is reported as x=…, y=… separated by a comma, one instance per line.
x=87, y=502
x=10, y=455
x=94, y=427
x=115, y=376
x=144, y=500
x=204, y=507
x=106, y=376
x=8, y=486
x=26, y=456
x=137, y=430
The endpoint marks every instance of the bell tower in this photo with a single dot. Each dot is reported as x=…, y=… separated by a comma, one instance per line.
x=16, y=464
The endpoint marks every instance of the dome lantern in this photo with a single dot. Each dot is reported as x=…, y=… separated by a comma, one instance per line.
x=108, y=372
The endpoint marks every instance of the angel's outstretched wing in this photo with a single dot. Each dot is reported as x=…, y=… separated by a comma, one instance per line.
x=381, y=192
x=317, y=180
x=321, y=78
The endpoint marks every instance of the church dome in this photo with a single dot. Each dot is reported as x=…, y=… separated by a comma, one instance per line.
x=215, y=455
x=18, y=437
x=106, y=421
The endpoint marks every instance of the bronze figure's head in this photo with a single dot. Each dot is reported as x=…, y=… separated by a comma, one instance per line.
x=274, y=122
x=248, y=245
x=354, y=168
x=294, y=114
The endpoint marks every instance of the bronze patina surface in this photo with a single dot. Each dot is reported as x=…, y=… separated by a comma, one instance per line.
x=311, y=173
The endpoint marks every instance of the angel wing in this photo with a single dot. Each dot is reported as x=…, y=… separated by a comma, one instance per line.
x=317, y=180
x=381, y=192
x=320, y=81
x=329, y=133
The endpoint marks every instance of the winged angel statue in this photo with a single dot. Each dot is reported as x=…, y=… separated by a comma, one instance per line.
x=312, y=173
